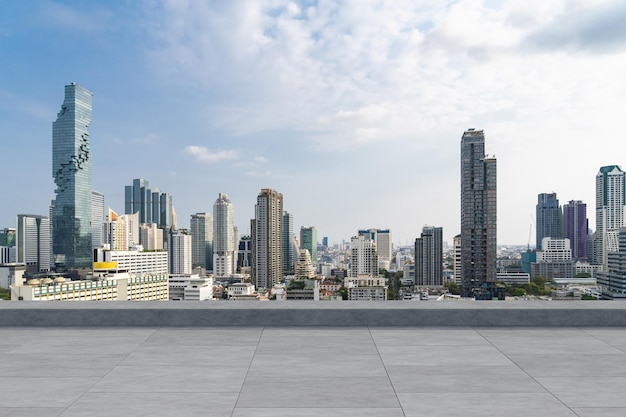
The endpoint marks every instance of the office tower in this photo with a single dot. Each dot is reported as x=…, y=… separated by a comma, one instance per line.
x=267, y=242
x=71, y=169
x=308, y=241
x=575, y=226
x=201, y=228
x=244, y=254
x=224, y=237
x=554, y=261
x=152, y=205
x=121, y=232
x=151, y=237
x=382, y=240
x=429, y=257
x=7, y=237
x=289, y=254
x=97, y=219
x=612, y=281
x=33, y=242
x=610, y=201
x=478, y=214
x=363, y=256
x=179, y=250
x=325, y=241
x=548, y=218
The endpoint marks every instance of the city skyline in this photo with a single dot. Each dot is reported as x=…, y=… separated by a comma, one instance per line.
x=250, y=95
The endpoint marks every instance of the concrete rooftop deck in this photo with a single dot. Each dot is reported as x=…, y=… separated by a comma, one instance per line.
x=313, y=359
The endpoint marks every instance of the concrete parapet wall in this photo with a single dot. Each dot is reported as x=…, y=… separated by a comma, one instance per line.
x=311, y=313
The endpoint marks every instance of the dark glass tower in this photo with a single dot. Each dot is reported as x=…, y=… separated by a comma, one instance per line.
x=478, y=215
x=429, y=257
x=71, y=169
x=549, y=218
x=575, y=226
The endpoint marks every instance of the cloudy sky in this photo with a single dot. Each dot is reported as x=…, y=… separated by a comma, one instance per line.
x=354, y=110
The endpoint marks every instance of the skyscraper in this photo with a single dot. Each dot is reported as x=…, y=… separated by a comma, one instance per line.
x=33, y=242
x=429, y=257
x=308, y=241
x=610, y=202
x=548, y=217
x=575, y=226
x=267, y=242
x=121, y=232
x=290, y=256
x=97, y=219
x=71, y=169
x=224, y=237
x=153, y=205
x=382, y=240
x=179, y=251
x=363, y=256
x=478, y=214
x=201, y=228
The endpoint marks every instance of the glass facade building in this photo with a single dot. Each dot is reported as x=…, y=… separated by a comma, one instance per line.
x=549, y=218
x=478, y=215
x=71, y=170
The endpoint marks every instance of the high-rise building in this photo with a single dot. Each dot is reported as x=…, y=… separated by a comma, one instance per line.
x=267, y=242
x=121, y=232
x=179, y=251
x=244, y=255
x=429, y=257
x=382, y=240
x=363, y=256
x=308, y=241
x=478, y=214
x=71, y=169
x=457, y=259
x=201, y=228
x=33, y=242
x=549, y=218
x=97, y=219
x=150, y=237
x=575, y=226
x=612, y=281
x=224, y=237
x=610, y=202
x=289, y=253
x=152, y=205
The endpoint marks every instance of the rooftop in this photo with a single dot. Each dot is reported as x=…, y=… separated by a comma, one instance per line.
x=273, y=369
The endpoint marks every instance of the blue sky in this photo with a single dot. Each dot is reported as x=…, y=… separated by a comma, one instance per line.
x=354, y=110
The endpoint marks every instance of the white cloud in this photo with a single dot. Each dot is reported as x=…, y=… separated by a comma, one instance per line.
x=203, y=154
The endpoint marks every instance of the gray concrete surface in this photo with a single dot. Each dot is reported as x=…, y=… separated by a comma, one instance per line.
x=313, y=371
x=304, y=313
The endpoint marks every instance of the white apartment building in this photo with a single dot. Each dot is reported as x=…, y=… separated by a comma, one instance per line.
x=191, y=287
x=363, y=256
x=366, y=287
x=180, y=252
x=135, y=261
x=554, y=250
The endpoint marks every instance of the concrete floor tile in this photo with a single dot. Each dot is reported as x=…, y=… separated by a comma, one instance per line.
x=152, y=404
x=318, y=412
x=31, y=412
x=316, y=365
x=80, y=346
x=462, y=379
x=310, y=392
x=205, y=336
x=600, y=412
x=610, y=335
x=184, y=379
x=547, y=332
x=156, y=355
x=59, y=365
x=423, y=336
x=433, y=355
x=587, y=391
x=572, y=365
x=541, y=345
x=453, y=404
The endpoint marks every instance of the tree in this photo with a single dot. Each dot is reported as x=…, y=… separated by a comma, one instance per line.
x=453, y=288
x=519, y=292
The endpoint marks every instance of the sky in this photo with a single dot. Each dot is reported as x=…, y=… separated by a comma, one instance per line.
x=353, y=110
